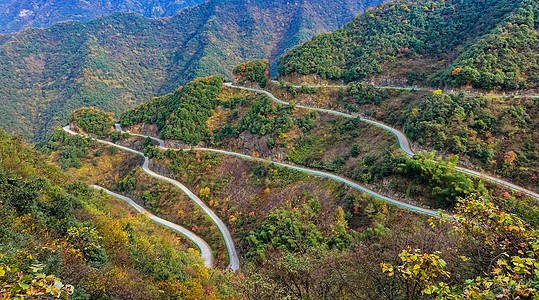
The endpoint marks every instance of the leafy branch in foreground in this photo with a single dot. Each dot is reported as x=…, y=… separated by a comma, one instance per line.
x=17, y=284
x=506, y=242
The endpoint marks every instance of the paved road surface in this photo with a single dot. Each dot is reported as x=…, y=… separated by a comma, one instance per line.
x=234, y=262
x=306, y=170
x=403, y=141
x=205, y=250
x=407, y=89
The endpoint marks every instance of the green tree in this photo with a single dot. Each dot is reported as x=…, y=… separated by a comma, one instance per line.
x=92, y=120
x=509, y=243
x=254, y=71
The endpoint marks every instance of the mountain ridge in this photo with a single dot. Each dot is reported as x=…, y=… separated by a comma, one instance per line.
x=489, y=45
x=18, y=15
x=114, y=62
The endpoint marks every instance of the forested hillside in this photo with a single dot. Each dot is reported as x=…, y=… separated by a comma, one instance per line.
x=297, y=233
x=316, y=197
x=16, y=15
x=182, y=115
x=117, y=61
x=61, y=237
x=492, y=44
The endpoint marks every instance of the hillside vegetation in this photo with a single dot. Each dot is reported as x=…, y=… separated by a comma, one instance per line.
x=61, y=234
x=499, y=136
x=299, y=235
x=183, y=114
x=17, y=15
x=254, y=71
x=92, y=120
x=253, y=124
x=490, y=44
x=114, y=62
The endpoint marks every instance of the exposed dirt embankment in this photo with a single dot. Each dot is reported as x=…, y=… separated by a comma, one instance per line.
x=247, y=143
x=252, y=144
x=135, y=144
x=309, y=79
x=176, y=144
x=249, y=84
x=144, y=129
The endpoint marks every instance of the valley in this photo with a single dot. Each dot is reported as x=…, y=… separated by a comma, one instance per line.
x=393, y=158
x=162, y=146
x=116, y=61
x=16, y=15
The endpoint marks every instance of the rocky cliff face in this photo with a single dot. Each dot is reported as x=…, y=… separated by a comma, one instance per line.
x=144, y=129
x=251, y=144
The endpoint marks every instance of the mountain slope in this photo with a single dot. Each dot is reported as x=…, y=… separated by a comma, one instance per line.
x=492, y=44
x=55, y=225
x=253, y=124
x=17, y=15
x=116, y=61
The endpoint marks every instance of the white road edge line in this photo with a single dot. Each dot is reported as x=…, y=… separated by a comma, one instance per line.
x=205, y=250
x=404, y=144
x=234, y=262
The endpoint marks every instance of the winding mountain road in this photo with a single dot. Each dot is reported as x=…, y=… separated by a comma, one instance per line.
x=343, y=86
x=407, y=89
x=233, y=257
x=404, y=144
x=234, y=262
x=205, y=250
x=306, y=170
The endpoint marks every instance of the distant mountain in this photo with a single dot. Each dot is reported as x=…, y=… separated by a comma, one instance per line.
x=489, y=44
x=117, y=61
x=16, y=15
